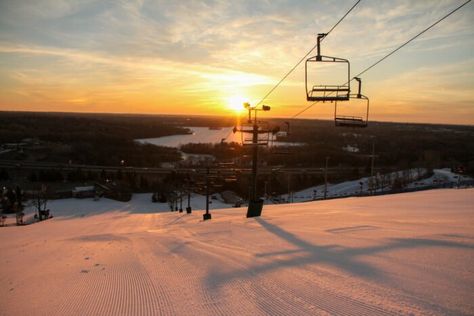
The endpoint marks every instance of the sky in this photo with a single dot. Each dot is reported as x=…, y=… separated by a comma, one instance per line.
x=208, y=57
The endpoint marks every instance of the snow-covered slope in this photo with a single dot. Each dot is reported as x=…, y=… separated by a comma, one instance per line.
x=352, y=188
x=396, y=254
x=140, y=203
x=441, y=176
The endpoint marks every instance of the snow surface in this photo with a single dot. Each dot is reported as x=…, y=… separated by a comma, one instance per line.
x=405, y=254
x=139, y=204
x=351, y=188
x=441, y=176
x=351, y=149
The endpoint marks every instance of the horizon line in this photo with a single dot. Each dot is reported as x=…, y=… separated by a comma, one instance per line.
x=221, y=115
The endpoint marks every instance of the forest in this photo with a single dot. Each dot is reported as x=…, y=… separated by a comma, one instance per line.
x=109, y=140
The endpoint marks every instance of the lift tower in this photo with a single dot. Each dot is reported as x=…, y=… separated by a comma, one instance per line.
x=254, y=134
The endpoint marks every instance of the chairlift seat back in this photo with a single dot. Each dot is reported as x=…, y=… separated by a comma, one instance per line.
x=345, y=120
x=326, y=92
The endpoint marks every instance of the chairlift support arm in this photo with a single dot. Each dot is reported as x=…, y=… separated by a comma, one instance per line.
x=320, y=37
x=359, y=95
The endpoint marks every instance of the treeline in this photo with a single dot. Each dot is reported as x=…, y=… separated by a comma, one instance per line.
x=69, y=127
x=106, y=139
x=92, y=139
x=222, y=151
x=127, y=179
x=396, y=147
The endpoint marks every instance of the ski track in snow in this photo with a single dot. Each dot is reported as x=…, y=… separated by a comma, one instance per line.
x=300, y=298
x=388, y=255
x=119, y=288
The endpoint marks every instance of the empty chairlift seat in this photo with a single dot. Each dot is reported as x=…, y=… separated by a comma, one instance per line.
x=350, y=121
x=327, y=92
x=357, y=102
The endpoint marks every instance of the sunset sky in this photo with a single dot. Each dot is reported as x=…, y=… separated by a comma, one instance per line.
x=204, y=57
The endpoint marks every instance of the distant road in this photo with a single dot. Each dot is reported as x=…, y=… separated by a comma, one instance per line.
x=36, y=165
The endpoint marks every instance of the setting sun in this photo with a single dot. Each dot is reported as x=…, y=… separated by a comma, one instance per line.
x=236, y=104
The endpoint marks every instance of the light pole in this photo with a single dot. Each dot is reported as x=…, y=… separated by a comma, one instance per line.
x=372, y=168
x=326, y=178
x=188, y=208
x=207, y=215
x=188, y=183
x=265, y=191
x=289, y=188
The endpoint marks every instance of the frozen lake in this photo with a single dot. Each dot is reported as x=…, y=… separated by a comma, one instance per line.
x=203, y=135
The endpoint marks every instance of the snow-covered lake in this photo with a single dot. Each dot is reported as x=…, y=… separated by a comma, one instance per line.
x=204, y=135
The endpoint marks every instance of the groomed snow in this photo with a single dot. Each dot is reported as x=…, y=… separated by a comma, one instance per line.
x=403, y=254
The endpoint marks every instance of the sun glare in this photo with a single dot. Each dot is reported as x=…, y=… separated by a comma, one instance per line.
x=236, y=104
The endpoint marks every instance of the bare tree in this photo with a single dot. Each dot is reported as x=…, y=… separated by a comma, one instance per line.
x=40, y=202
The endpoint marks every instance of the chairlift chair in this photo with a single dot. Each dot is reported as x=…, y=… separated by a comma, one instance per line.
x=326, y=92
x=353, y=121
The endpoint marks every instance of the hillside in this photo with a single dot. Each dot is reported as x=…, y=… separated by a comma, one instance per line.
x=404, y=254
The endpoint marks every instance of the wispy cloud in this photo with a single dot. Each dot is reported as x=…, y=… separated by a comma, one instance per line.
x=172, y=52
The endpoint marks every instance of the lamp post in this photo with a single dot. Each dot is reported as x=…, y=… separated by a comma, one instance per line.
x=188, y=183
x=188, y=208
x=326, y=178
x=289, y=200
x=372, y=162
x=265, y=195
x=207, y=215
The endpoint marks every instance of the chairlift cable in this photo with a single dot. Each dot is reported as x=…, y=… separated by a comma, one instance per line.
x=340, y=20
x=392, y=52
x=410, y=40
x=304, y=110
x=305, y=56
